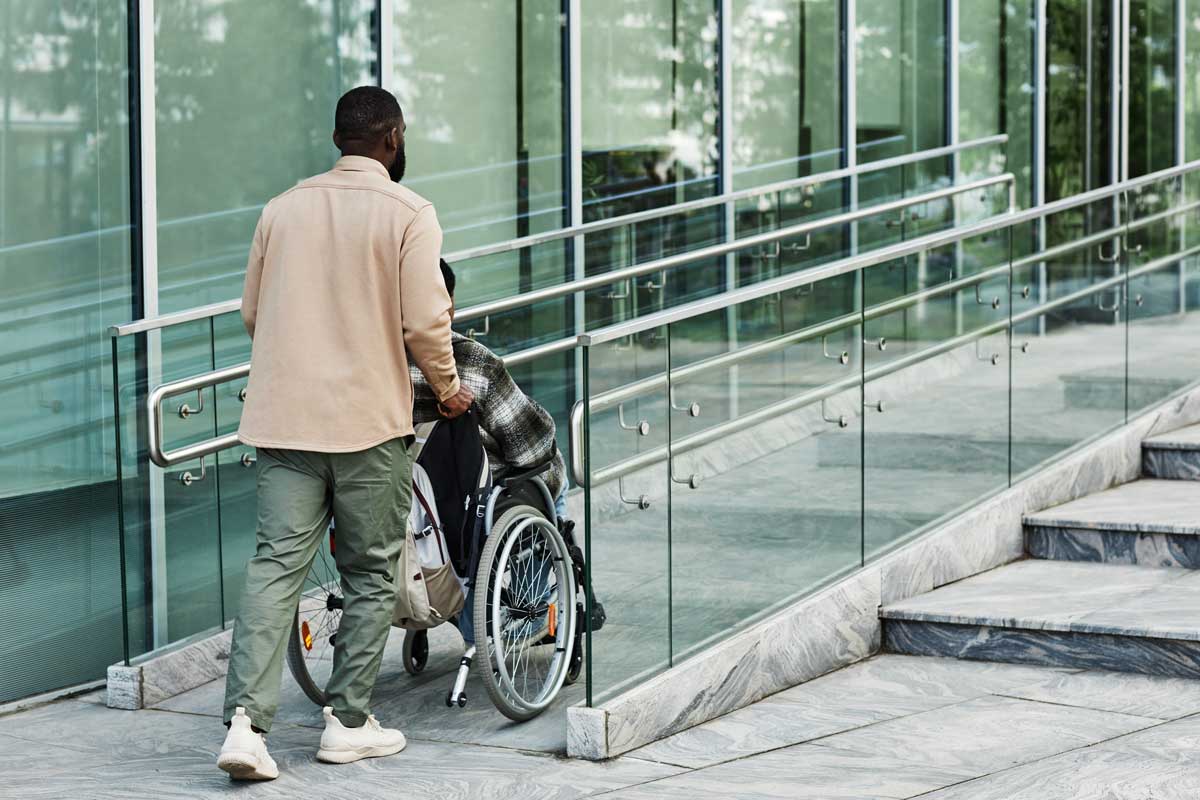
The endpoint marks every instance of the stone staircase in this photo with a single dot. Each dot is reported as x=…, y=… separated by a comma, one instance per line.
x=1112, y=582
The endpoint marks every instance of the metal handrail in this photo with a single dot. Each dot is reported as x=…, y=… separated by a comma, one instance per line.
x=773, y=411
x=861, y=261
x=206, y=447
x=184, y=386
x=724, y=248
x=520, y=243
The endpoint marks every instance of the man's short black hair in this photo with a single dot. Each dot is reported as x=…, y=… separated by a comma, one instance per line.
x=366, y=113
x=448, y=277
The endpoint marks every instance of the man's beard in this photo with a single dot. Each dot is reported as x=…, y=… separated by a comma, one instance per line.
x=396, y=170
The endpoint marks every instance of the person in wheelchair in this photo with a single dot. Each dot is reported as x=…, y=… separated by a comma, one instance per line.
x=517, y=432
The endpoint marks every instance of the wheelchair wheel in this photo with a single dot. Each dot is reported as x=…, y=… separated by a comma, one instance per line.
x=525, y=615
x=315, y=627
x=416, y=651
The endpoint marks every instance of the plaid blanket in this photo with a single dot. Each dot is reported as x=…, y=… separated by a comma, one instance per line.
x=517, y=432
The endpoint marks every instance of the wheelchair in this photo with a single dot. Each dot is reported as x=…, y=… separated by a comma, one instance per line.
x=522, y=620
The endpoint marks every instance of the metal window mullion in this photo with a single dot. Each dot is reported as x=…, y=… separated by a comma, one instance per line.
x=1119, y=48
x=725, y=144
x=1039, y=151
x=953, y=92
x=387, y=44
x=148, y=228
x=1180, y=128
x=575, y=145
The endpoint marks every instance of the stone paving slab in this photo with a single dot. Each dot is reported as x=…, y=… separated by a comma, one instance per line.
x=893, y=727
x=884, y=687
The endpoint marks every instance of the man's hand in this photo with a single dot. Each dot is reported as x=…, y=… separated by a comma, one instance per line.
x=458, y=404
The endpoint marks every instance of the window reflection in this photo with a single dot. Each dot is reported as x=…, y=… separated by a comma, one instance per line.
x=786, y=89
x=245, y=94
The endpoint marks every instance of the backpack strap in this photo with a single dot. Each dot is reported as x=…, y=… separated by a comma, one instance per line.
x=432, y=520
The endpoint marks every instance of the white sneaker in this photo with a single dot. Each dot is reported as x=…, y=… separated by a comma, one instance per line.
x=244, y=755
x=342, y=745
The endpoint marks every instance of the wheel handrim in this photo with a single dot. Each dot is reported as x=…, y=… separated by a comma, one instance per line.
x=514, y=616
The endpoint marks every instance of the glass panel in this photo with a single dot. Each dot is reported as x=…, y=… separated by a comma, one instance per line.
x=650, y=103
x=235, y=468
x=901, y=78
x=1079, y=104
x=629, y=548
x=996, y=87
x=66, y=275
x=1068, y=369
x=786, y=89
x=1163, y=319
x=246, y=91
x=935, y=389
x=1191, y=79
x=1152, y=47
x=485, y=140
x=185, y=564
x=744, y=541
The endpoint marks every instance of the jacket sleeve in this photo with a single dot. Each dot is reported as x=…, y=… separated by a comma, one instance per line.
x=254, y=268
x=523, y=430
x=425, y=304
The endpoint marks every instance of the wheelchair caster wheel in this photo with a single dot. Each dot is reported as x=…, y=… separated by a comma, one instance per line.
x=416, y=651
x=449, y=700
x=462, y=701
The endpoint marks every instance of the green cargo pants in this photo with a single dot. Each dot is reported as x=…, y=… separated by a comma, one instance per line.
x=369, y=493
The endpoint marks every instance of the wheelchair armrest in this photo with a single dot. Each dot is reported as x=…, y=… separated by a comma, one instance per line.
x=525, y=474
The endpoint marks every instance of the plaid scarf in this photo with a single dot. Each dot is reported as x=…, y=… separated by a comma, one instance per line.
x=517, y=432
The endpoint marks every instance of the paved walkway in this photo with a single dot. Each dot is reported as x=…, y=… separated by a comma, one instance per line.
x=891, y=727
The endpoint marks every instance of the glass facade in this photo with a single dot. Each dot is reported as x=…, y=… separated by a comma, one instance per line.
x=525, y=117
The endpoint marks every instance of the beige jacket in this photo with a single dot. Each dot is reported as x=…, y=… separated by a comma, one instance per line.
x=343, y=278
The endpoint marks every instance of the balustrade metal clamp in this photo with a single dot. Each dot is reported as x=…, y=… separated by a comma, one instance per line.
x=1139, y=300
x=187, y=478
x=693, y=409
x=487, y=328
x=842, y=358
x=881, y=343
x=993, y=357
x=691, y=481
x=1116, y=256
x=248, y=460
x=186, y=411
x=995, y=301
x=1025, y=293
x=792, y=247
x=1023, y=347
x=1108, y=309
x=618, y=295
x=641, y=426
x=879, y=406
x=641, y=501
x=241, y=395
x=842, y=420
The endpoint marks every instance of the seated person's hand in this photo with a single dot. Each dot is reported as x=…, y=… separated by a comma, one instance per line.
x=458, y=404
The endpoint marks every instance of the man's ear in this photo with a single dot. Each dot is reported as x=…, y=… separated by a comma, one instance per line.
x=337, y=140
x=393, y=139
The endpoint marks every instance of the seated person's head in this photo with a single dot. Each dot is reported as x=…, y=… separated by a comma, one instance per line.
x=448, y=277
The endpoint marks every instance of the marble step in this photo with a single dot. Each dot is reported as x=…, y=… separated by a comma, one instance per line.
x=1153, y=523
x=1113, y=617
x=1174, y=455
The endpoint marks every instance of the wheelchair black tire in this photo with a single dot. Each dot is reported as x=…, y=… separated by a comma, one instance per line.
x=505, y=523
x=298, y=665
